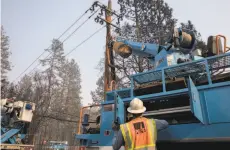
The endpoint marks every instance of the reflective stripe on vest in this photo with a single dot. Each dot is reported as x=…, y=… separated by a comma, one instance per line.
x=139, y=134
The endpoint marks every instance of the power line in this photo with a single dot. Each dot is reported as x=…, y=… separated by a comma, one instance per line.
x=58, y=39
x=85, y=40
x=80, y=26
x=55, y=118
x=66, y=120
x=63, y=113
x=65, y=40
x=68, y=37
x=61, y=119
x=38, y=64
x=75, y=47
x=73, y=23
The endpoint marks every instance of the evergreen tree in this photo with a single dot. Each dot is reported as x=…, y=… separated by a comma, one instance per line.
x=25, y=89
x=71, y=86
x=5, y=54
x=71, y=102
x=98, y=94
x=52, y=73
x=153, y=21
x=5, y=62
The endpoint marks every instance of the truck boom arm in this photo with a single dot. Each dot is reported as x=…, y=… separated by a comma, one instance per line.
x=179, y=39
x=125, y=48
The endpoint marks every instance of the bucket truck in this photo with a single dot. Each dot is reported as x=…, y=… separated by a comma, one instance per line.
x=15, y=119
x=186, y=88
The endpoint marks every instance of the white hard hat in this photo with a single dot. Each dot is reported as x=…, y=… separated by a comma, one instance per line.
x=136, y=106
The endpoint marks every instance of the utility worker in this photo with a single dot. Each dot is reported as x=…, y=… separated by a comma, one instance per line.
x=140, y=133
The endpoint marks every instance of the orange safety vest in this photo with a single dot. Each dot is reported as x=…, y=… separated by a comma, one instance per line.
x=139, y=134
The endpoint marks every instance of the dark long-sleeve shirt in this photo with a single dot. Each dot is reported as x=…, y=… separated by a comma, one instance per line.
x=118, y=140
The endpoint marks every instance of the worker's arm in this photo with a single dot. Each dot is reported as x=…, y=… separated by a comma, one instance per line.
x=161, y=124
x=118, y=141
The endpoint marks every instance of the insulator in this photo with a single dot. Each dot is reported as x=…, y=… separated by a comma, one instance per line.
x=96, y=19
x=101, y=22
x=95, y=4
x=101, y=13
x=92, y=8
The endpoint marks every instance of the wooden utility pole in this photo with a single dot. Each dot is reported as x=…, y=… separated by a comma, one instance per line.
x=107, y=73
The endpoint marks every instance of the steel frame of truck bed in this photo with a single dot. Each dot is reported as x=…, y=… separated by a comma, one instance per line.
x=209, y=103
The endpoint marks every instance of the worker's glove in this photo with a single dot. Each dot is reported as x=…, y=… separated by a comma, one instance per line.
x=115, y=127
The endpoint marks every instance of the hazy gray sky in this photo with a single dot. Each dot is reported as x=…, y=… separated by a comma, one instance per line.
x=32, y=24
